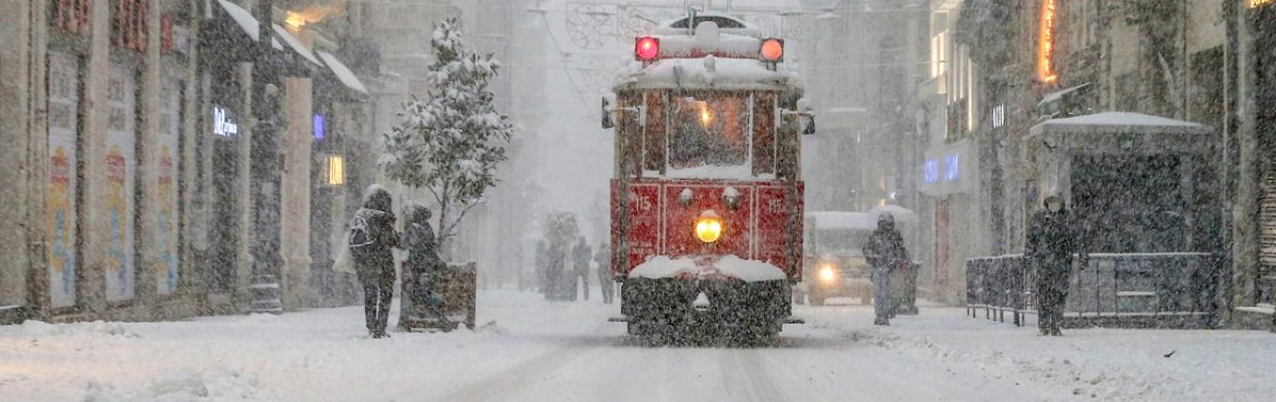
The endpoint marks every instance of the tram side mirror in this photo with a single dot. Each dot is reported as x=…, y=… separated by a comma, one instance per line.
x=804, y=117
x=610, y=112
x=807, y=116
x=607, y=120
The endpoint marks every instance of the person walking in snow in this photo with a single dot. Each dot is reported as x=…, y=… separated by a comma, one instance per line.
x=581, y=254
x=422, y=271
x=555, y=258
x=606, y=284
x=885, y=253
x=1052, y=240
x=371, y=238
x=541, y=268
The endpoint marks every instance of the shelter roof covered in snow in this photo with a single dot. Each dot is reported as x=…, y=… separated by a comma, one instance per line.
x=1118, y=123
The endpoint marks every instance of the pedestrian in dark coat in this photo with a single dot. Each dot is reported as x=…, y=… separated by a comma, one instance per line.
x=555, y=258
x=1053, y=238
x=371, y=238
x=422, y=271
x=581, y=254
x=608, y=285
x=885, y=252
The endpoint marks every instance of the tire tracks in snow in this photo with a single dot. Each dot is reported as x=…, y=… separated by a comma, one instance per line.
x=743, y=369
x=506, y=383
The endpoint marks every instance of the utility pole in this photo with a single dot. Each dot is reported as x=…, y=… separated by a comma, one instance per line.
x=265, y=170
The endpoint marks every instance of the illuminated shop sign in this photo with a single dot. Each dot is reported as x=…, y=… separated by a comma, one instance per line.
x=952, y=167
x=949, y=170
x=931, y=171
x=318, y=127
x=222, y=124
x=1045, y=49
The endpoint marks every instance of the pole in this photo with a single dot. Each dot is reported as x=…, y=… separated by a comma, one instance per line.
x=265, y=170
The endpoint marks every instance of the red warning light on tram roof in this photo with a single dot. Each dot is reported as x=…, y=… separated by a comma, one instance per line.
x=647, y=48
x=773, y=49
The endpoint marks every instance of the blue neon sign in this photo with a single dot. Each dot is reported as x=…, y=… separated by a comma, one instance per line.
x=931, y=171
x=952, y=168
x=318, y=127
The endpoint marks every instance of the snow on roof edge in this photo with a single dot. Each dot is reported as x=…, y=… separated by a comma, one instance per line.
x=1119, y=121
x=342, y=72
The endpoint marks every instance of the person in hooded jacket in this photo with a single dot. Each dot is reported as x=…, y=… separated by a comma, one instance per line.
x=1053, y=238
x=423, y=269
x=372, y=238
x=885, y=252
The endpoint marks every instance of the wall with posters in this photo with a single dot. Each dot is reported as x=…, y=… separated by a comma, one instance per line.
x=121, y=163
x=166, y=234
x=60, y=216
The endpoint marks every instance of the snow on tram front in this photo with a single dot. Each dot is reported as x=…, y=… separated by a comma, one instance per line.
x=706, y=201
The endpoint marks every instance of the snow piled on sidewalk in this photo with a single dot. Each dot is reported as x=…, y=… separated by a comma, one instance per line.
x=317, y=355
x=1093, y=364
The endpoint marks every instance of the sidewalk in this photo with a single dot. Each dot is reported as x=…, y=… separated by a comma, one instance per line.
x=1106, y=364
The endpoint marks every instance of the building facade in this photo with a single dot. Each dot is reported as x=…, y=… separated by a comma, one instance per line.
x=132, y=150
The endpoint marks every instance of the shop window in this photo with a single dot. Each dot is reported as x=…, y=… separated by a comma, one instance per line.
x=336, y=170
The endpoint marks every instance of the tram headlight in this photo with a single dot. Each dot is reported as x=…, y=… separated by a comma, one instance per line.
x=708, y=226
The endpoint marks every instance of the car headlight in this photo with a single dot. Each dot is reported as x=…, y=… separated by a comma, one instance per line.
x=708, y=226
x=827, y=273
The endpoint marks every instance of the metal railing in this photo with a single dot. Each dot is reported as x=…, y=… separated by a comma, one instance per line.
x=1103, y=289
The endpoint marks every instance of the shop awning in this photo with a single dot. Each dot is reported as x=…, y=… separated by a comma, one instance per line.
x=342, y=72
x=295, y=44
x=1057, y=95
x=246, y=21
x=1122, y=132
x=1118, y=123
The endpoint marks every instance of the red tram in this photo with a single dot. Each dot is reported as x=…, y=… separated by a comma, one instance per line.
x=706, y=201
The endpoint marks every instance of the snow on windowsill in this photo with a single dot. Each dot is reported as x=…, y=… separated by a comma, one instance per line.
x=659, y=267
x=738, y=172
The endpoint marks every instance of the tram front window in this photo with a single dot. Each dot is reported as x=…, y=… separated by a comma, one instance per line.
x=709, y=131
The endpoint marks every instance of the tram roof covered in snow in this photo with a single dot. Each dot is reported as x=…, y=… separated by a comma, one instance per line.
x=722, y=53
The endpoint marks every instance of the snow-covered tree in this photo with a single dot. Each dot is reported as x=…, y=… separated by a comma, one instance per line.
x=451, y=143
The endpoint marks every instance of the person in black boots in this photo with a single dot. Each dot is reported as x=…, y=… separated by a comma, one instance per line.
x=371, y=238
x=1053, y=238
x=885, y=253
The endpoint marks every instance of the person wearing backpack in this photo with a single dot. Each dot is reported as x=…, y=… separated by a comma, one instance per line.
x=371, y=239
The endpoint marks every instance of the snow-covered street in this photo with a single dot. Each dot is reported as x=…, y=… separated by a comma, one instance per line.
x=531, y=350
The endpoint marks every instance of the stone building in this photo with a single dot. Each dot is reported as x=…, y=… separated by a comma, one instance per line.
x=131, y=137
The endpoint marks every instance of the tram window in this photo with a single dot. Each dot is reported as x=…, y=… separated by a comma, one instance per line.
x=763, y=133
x=708, y=131
x=654, y=152
x=629, y=138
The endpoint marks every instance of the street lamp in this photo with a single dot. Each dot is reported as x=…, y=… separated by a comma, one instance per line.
x=264, y=172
